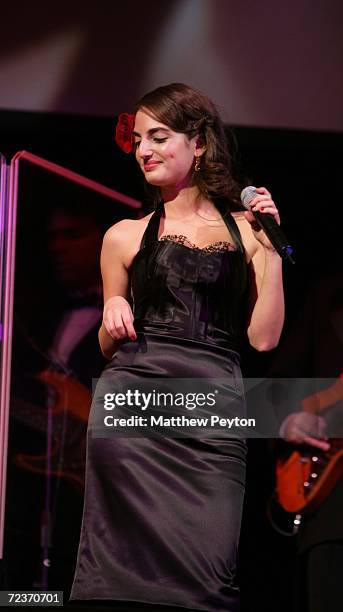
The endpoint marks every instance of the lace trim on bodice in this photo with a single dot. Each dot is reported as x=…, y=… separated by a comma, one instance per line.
x=215, y=247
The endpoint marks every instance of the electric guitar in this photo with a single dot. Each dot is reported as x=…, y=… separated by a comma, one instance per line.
x=306, y=478
x=69, y=404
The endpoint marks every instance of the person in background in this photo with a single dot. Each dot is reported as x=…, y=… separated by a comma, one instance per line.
x=314, y=350
x=55, y=357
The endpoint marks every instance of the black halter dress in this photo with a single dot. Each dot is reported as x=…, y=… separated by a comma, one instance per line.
x=162, y=514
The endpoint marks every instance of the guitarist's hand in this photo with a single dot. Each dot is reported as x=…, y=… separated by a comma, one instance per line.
x=305, y=428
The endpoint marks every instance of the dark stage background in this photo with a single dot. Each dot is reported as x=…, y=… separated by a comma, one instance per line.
x=302, y=170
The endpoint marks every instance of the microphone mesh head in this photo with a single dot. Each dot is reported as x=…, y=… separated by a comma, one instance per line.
x=247, y=195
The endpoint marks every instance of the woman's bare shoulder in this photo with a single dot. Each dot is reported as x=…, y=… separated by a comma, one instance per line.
x=238, y=215
x=249, y=241
x=123, y=239
x=243, y=224
x=126, y=230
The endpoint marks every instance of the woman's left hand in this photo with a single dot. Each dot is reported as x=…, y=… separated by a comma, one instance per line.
x=264, y=204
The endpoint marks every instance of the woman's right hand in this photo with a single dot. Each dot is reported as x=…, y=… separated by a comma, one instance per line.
x=118, y=318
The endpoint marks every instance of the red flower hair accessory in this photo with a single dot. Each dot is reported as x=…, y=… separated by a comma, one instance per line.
x=124, y=132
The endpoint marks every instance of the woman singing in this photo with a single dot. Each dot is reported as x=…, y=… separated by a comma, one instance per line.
x=183, y=286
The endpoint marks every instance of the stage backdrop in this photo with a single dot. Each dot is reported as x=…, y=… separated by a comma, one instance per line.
x=265, y=64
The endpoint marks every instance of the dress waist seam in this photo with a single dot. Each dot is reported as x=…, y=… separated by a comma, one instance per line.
x=203, y=343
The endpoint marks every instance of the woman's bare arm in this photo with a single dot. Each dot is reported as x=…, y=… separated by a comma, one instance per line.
x=267, y=310
x=117, y=318
x=266, y=300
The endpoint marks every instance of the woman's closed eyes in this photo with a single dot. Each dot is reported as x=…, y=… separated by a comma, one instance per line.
x=155, y=139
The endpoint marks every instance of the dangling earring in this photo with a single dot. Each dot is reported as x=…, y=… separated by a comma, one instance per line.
x=197, y=164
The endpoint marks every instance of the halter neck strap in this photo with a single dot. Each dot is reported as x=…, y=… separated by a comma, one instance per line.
x=233, y=228
x=151, y=231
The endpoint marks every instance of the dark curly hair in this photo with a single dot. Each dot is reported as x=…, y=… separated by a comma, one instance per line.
x=187, y=110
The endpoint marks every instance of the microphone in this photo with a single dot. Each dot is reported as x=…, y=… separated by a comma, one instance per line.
x=269, y=225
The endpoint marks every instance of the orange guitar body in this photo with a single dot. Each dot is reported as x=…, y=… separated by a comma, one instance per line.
x=305, y=479
x=70, y=394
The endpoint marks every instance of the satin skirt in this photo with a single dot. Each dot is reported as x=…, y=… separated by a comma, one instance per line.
x=162, y=515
